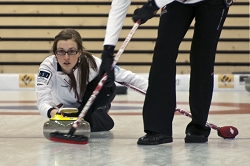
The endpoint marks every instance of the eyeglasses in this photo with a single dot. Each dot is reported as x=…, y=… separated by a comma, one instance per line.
x=69, y=52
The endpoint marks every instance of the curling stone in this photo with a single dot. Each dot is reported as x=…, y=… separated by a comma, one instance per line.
x=62, y=124
x=247, y=83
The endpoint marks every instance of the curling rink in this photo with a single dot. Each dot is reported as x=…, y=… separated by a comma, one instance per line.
x=22, y=142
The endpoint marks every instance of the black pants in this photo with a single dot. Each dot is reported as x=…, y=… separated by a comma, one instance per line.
x=160, y=102
x=97, y=117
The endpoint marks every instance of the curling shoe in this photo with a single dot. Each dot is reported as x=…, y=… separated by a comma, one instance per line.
x=154, y=139
x=192, y=137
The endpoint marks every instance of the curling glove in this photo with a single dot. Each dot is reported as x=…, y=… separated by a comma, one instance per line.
x=106, y=65
x=146, y=12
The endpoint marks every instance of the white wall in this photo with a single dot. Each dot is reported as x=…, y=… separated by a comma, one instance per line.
x=224, y=82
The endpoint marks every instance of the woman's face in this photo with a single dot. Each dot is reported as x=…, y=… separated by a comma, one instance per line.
x=67, y=54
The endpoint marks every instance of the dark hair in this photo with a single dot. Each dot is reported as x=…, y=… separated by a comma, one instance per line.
x=85, y=62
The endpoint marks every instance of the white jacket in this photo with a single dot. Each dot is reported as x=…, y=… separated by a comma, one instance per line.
x=53, y=85
x=117, y=15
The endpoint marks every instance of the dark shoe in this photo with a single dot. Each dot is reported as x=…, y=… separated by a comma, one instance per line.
x=154, y=139
x=195, y=138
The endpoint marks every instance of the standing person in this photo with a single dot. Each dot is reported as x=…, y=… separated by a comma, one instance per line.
x=68, y=78
x=160, y=101
x=115, y=22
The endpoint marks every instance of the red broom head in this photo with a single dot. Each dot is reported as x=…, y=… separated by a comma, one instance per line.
x=65, y=138
x=228, y=132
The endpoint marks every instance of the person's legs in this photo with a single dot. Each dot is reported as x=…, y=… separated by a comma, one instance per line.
x=210, y=16
x=100, y=119
x=97, y=114
x=160, y=101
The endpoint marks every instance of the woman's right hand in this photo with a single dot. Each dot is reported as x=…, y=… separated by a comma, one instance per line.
x=53, y=112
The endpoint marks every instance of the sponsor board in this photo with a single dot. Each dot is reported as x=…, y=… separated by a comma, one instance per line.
x=242, y=79
x=226, y=81
x=26, y=80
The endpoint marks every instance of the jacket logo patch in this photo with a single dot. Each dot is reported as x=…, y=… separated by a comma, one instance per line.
x=43, y=76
